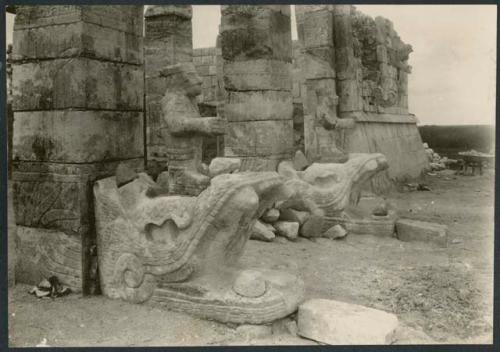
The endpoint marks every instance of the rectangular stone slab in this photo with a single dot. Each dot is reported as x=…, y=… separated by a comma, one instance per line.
x=77, y=136
x=257, y=75
x=77, y=83
x=258, y=105
x=414, y=230
x=77, y=39
x=259, y=138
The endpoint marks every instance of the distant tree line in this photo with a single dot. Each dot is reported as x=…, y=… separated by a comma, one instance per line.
x=459, y=138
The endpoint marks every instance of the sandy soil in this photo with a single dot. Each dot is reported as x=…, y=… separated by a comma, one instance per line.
x=440, y=295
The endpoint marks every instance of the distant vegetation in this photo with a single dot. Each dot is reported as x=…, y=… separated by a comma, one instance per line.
x=449, y=140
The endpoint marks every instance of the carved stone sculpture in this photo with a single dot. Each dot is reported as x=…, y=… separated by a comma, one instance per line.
x=327, y=189
x=182, y=252
x=184, y=129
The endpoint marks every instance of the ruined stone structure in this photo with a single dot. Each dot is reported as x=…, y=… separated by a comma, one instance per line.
x=78, y=102
x=182, y=252
x=326, y=189
x=168, y=40
x=257, y=53
x=369, y=64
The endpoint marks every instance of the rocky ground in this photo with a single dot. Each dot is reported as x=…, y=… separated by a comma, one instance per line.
x=440, y=295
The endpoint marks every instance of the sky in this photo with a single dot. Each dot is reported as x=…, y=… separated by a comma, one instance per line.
x=453, y=81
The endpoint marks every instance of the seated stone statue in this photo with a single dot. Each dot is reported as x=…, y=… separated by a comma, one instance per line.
x=326, y=189
x=184, y=129
x=182, y=252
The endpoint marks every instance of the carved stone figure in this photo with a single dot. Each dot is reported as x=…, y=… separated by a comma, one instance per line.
x=182, y=252
x=184, y=129
x=327, y=189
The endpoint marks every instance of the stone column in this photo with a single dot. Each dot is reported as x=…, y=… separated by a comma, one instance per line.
x=257, y=52
x=315, y=29
x=168, y=40
x=348, y=67
x=78, y=101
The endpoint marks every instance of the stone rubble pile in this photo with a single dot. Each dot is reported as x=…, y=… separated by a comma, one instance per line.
x=437, y=162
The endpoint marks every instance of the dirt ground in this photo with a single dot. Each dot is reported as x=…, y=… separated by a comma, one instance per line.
x=440, y=295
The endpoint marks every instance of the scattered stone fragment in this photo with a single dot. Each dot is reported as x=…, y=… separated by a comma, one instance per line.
x=288, y=214
x=271, y=215
x=162, y=180
x=335, y=232
x=124, y=175
x=287, y=229
x=262, y=232
x=203, y=168
x=251, y=332
x=339, y=323
x=381, y=209
x=414, y=230
x=285, y=326
x=281, y=240
x=313, y=227
x=249, y=283
x=220, y=166
x=300, y=161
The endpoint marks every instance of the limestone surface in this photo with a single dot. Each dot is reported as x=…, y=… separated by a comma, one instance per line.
x=181, y=252
x=220, y=166
x=262, y=232
x=414, y=230
x=287, y=229
x=340, y=323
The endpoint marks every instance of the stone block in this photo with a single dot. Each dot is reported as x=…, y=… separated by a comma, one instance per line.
x=168, y=51
x=259, y=138
x=125, y=18
x=287, y=214
x=43, y=253
x=318, y=29
x=77, y=83
x=262, y=232
x=257, y=75
x=338, y=323
x=287, y=229
x=77, y=136
x=414, y=230
x=77, y=39
x=220, y=166
x=271, y=215
x=258, y=32
x=335, y=232
x=258, y=105
x=350, y=98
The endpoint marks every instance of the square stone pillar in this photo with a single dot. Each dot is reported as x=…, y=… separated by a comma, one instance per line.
x=168, y=40
x=78, y=91
x=257, y=52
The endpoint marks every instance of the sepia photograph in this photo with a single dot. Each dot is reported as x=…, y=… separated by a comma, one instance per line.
x=250, y=175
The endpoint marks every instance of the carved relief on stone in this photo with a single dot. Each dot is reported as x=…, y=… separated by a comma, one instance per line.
x=327, y=189
x=184, y=129
x=182, y=252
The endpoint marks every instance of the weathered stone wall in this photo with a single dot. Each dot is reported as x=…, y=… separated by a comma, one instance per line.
x=168, y=40
x=257, y=52
x=78, y=112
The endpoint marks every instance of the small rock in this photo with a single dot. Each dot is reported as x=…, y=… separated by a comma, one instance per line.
x=300, y=161
x=335, y=232
x=220, y=166
x=249, y=283
x=312, y=227
x=251, y=332
x=262, y=232
x=414, y=230
x=162, y=180
x=203, y=169
x=271, y=215
x=380, y=210
x=124, y=175
x=339, y=323
x=287, y=229
x=285, y=326
x=288, y=214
